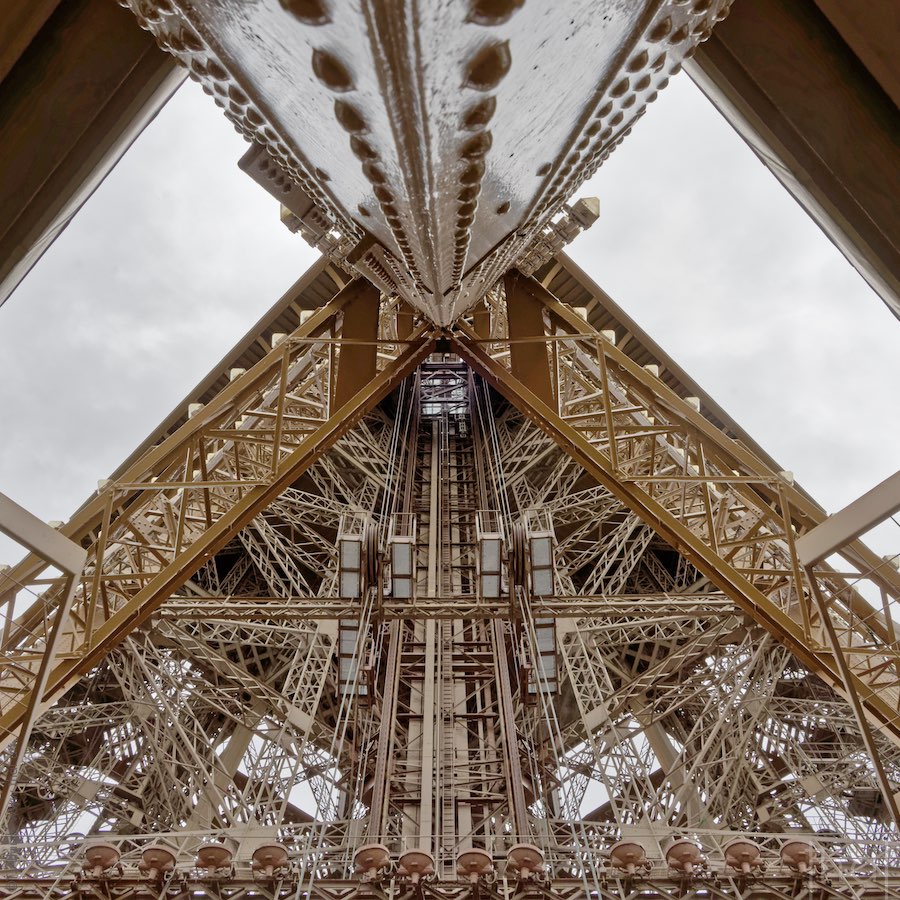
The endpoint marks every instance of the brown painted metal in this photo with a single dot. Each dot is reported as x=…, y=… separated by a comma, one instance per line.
x=529, y=359
x=876, y=682
x=79, y=83
x=356, y=362
x=174, y=553
x=812, y=88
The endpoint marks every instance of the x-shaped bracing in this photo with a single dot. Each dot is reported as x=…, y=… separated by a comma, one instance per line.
x=711, y=498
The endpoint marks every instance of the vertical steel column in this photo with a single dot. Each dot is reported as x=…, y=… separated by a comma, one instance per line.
x=378, y=805
x=515, y=781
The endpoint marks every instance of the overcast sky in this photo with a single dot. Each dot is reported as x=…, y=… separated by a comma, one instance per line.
x=178, y=253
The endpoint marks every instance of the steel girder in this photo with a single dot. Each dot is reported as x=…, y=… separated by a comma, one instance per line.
x=731, y=516
x=157, y=524
x=671, y=702
x=442, y=149
x=657, y=454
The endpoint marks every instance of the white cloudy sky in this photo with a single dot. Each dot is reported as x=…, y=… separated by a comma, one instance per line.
x=178, y=253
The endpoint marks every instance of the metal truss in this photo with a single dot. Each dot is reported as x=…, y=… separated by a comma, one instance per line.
x=257, y=703
x=733, y=518
x=186, y=498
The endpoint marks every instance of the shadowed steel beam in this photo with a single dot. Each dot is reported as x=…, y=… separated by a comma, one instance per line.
x=811, y=88
x=853, y=520
x=82, y=88
x=528, y=358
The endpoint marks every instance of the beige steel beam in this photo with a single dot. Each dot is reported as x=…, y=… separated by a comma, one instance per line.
x=23, y=527
x=188, y=497
x=38, y=537
x=709, y=498
x=606, y=606
x=89, y=518
x=853, y=520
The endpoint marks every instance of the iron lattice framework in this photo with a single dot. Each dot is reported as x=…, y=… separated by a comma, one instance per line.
x=445, y=594
x=263, y=700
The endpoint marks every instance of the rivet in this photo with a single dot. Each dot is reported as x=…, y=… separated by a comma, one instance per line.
x=373, y=173
x=544, y=169
x=331, y=71
x=362, y=149
x=216, y=71
x=492, y=12
x=237, y=95
x=487, y=68
x=191, y=42
x=480, y=114
x=660, y=30
x=503, y=208
x=348, y=118
x=473, y=173
x=309, y=12
x=322, y=175
x=478, y=146
x=638, y=62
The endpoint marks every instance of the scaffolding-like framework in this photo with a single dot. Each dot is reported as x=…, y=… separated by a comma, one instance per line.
x=375, y=648
x=446, y=583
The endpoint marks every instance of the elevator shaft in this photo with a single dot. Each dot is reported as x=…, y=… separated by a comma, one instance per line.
x=448, y=752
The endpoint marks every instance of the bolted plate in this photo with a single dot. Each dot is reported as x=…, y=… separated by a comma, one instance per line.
x=428, y=144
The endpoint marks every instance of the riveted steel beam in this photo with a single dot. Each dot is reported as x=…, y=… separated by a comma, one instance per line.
x=443, y=149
